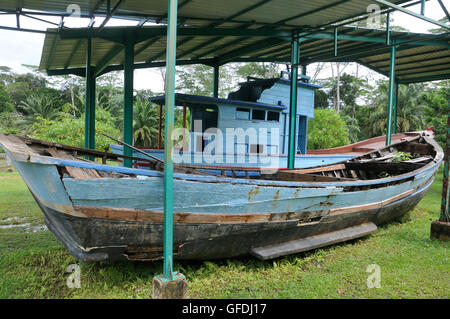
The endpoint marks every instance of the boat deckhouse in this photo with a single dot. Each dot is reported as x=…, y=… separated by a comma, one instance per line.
x=260, y=104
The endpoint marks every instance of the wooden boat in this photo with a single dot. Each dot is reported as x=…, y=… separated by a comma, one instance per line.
x=104, y=212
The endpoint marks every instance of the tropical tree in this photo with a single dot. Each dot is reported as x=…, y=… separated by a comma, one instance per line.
x=145, y=123
x=437, y=101
x=410, y=109
x=70, y=131
x=258, y=69
x=5, y=101
x=327, y=129
x=38, y=106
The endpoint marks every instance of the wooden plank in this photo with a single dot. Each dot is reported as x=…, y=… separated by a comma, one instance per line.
x=419, y=159
x=419, y=148
x=389, y=167
x=313, y=242
x=295, y=176
x=75, y=172
x=317, y=169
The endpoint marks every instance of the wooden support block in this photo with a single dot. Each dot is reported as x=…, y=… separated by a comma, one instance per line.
x=313, y=242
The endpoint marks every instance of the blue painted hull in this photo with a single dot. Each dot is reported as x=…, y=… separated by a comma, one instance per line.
x=121, y=218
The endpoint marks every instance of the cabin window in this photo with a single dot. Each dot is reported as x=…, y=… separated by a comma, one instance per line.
x=256, y=148
x=242, y=113
x=273, y=116
x=258, y=115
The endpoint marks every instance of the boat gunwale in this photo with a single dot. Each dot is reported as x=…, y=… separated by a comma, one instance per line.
x=43, y=159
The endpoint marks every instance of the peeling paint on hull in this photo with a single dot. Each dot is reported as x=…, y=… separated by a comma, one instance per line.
x=99, y=239
x=113, y=218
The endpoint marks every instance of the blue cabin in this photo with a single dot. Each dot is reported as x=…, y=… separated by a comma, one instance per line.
x=259, y=105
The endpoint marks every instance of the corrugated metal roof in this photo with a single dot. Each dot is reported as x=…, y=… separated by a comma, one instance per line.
x=419, y=56
x=203, y=12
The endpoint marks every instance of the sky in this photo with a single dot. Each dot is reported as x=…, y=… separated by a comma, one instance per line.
x=17, y=48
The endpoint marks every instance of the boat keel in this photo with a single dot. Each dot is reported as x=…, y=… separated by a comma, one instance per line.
x=313, y=242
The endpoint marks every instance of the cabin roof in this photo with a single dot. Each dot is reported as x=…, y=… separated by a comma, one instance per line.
x=279, y=80
x=197, y=99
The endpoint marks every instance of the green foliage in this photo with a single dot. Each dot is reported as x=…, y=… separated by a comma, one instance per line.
x=436, y=110
x=5, y=101
x=258, y=69
x=71, y=131
x=410, y=114
x=145, y=123
x=198, y=79
x=320, y=99
x=10, y=123
x=327, y=129
x=38, y=106
x=401, y=156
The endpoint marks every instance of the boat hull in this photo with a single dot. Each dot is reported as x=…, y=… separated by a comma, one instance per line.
x=121, y=217
x=97, y=239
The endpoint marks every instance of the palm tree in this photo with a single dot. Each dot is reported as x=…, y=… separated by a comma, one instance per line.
x=410, y=109
x=145, y=124
x=38, y=106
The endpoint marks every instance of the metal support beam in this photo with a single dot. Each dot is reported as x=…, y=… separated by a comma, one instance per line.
x=388, y=28
x=293, y=104
x=445, y=214
x=411, y=13
x=227, y=57
x=335, y=41
x=168, y=273
x=216, y=81
x=391, y=96
x=109, y=14
x=394, y=126
x=108, y=58
x=444, y=9
x=128, y=98
x=89, y=119
x=160, y=127
x=215, y=24
x=434, y=77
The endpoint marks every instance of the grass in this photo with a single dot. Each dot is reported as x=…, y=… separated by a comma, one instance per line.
x=33, y=264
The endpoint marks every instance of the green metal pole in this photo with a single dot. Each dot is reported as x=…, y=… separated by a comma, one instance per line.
x=128, y=97
x=293, y=104
x=335, y=42
x=388, y=29
x=445, y=214
x=89, y=120
x=391, y=96
x=216, y=81
x=168, y=143
x=394, y=125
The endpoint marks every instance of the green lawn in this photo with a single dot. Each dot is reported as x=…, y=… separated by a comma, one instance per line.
x=33, y=264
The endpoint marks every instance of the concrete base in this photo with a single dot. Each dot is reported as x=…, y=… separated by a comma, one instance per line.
x=170, y=289
x=440, y=230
